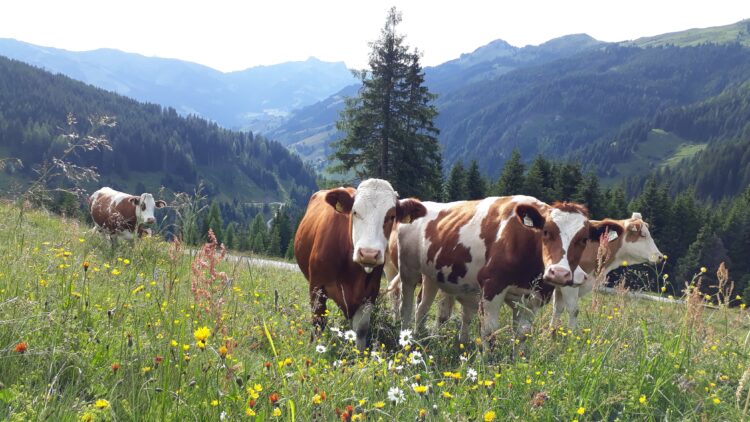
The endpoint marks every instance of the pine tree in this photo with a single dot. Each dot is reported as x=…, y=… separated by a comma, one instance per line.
x=708, y=251
x=455, y=189
x=213, y=221
x=230, y=237
x=274, y=242
x=568, y=178
x=589, y=194
x=538, y=180
x=258, y=234
x=388, y=127
x=511, y=181
x=616, y=204
x=476, y=187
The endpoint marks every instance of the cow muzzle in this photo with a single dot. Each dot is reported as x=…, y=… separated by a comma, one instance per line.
x=559, y=275
x=368, y=258
x=151, y=220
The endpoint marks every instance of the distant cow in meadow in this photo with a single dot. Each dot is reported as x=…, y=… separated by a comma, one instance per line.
x=123, y=215
x=341, y=244
x=482, y=251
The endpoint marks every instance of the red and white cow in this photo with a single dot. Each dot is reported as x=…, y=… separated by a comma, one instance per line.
x=480, y=251
x=122, y=215
x=341, y=244
x=636, y=246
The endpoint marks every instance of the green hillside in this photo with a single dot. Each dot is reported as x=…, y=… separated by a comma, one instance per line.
x=726, y=34
x=151, y=146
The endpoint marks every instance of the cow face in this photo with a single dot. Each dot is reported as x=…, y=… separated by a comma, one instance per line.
x=638, y=246
x=564, y=234
x=144, y=208
x=373, y=210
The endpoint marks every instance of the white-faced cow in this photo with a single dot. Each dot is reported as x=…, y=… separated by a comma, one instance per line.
x=632, y=243
x=122, y=215
x=341, y=244
x=481, y=251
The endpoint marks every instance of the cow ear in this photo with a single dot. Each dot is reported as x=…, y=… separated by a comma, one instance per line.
x=135, y=201
x=612, y=229
x=160, y=204
x=341, y=200
x=635, y=227
x=408, y=210
x=529, y=216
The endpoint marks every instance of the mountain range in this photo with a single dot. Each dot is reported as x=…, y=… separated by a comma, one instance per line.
x=250, y=99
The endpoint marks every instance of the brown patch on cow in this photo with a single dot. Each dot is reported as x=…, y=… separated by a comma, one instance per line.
x=633, y=229
x=442, y=233
x=491, y=223
x=113, y=218
x=388, y=222
x=323, y=249
x=589, y=257
x=571, y=207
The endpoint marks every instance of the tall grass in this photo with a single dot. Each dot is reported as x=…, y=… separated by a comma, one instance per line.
x=147, y=333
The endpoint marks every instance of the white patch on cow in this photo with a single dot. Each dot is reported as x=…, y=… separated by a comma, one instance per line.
x=469, y=237
x=644, y=249
x=372, y=201
x=569, y=224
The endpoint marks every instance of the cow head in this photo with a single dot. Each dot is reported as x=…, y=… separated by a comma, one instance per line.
x=144, y=208
x=637, y=244
x=565, y=231
x=372, y=209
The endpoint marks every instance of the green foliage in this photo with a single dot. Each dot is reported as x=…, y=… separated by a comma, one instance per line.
x=511, y=181
x=476, y=186
x=455, y=188
x=388, y=129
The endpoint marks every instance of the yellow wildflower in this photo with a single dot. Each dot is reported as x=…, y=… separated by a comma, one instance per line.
x=581, y=410
x=214, y=403
x=489, y=416
x=101, y=404
x=642, y=399
x=276, y=412
x=249, y=411
x=379, y=405
x=202, y=334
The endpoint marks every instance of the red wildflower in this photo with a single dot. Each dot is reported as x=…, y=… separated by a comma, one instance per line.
x=274, y=397
x=21, y=347
x=115, y=367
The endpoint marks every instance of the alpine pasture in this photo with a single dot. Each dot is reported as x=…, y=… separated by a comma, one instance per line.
x=155, y=332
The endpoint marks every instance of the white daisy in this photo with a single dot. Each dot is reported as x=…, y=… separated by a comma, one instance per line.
x=396, y=395
x=471, y=373
x=405, y=338
x=463, y=358
x=376, y=356
x=320, y=348
x=350, y=335
x=336, y=331
x=337, y=363
x=416, y=358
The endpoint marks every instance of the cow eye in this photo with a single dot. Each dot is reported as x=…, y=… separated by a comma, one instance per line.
x=545, y=233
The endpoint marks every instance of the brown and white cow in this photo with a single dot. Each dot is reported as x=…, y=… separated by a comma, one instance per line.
x=480, y=251
x=122, y=215
x=341, y=244
x=635, y=246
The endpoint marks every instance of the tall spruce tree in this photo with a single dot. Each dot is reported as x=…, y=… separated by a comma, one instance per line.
x=455, y=188
x=511, y=181
x=388, y=127
x=538, y=181
x=476, y=187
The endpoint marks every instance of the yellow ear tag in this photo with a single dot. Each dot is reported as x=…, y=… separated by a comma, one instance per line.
x=339, y=208
x=406, y=220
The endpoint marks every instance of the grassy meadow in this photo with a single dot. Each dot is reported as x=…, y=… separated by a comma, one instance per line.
x=149, y=333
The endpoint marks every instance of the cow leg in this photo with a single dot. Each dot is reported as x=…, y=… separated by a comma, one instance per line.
x=558, y=307
x=361, y=324
x=570, y=300
x=445, y=308
x=394, y=294
x=318, y=301
x=427, y=293
x=488, y=314
x=524, y=310
x=408, y=285
x=469, y=307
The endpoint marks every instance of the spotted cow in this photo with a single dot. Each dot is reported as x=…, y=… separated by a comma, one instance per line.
x=122, y=215
x=341, y=244
x=481, y=251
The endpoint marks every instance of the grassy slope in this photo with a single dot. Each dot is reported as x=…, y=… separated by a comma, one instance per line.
x=133, y=302
x=736, y=32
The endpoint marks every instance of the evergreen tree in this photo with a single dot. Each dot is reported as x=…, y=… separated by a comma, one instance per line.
x=706, y=251
x=230, y=236
x=654, y=205
x=476, y=187
x=289, y=250
x=538, y=181
x=213, y=221
x=590, y=195
x=455, y=189
x=274, y=242
x=388, y=127
x=258, y=234
x=511, y=181
x=616, y=204
x=568, y=178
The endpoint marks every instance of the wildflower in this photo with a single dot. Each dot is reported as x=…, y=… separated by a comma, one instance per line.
x=115, y=367
x=214, y=402
x=336, y=331
x=350, y=335
x=471, y=373
x=447, y=395
x=703, y=269
x=249, y=411
x=276, y=412
x=223, y=351
x=146, y=369
x=85, y=266
x=138, y=289
x=416, y=358
x=405, y=338
x=665, y=276
x=202, y=334
x=379, y=404
x=115, y=272
x=581, y=410
x=419, y=389
x=21, y=347
x=489, y=416
x=87, y=417
x=624, y=263
x=101, y=404
x=201, y=344
x=716, y=400
x=396, y=395
x=320, y=348
x=273, y=398
x=126, y=261
x=743, y=306
x=642, y=399
x=258, y=387
x=663, y=289
x=317, y=399
x=267, y=365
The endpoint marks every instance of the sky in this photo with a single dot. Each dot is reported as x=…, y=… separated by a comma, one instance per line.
x=234, y=35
